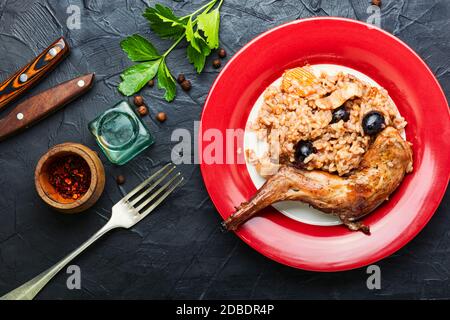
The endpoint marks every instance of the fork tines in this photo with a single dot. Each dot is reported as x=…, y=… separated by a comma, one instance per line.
x=144, y=200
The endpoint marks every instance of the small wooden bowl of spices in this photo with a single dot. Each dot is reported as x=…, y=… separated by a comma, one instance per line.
x=70, y=177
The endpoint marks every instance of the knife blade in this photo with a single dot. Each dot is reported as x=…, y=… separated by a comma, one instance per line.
x=43, y=104
x=33, y=72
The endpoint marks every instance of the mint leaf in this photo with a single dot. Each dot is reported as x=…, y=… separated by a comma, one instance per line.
x=166, y=81
x=164, y=22
x=135, y=77
x=190, y=35
x=198, y=58
x=201, y=29
x=209, y=23
x=139, y=49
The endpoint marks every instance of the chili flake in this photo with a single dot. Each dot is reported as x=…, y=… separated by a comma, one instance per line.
x=70, y=176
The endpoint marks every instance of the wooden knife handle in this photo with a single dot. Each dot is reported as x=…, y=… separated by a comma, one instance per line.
x=41, y=105
x=33, y=72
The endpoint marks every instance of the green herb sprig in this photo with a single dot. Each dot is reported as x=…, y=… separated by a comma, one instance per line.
x=201, y=31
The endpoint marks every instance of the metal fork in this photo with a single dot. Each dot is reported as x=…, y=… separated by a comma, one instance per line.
x=131, y=209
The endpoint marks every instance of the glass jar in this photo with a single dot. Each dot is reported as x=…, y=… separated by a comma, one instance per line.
x=121, y=133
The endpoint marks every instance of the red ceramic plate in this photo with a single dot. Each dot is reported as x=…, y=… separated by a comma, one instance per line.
x=410, y=84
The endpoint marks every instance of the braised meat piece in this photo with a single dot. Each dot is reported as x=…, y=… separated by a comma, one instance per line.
x=381, y=171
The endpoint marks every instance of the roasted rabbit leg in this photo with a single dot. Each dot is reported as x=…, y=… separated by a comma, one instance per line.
x=382, y=169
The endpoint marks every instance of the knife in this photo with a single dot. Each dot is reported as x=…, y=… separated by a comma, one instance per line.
x=33, y=72
x=41, y=105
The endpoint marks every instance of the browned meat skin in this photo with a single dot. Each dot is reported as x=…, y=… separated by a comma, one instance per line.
x=382, y=169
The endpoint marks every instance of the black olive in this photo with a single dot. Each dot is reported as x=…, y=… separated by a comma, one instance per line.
x=339, y=114
x=373, y=123
x=303, y=149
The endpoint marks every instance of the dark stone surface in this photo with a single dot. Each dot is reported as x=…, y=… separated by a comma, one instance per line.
x=179, y=252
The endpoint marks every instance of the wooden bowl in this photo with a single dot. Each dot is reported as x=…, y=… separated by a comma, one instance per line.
x=48, y=193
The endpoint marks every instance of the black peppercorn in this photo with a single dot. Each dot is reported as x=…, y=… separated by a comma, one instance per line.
x=151, y=83
x=138, y=101
x=181, y=78
x=142, y=110
x=186, y=85
x=161, y=116
x=222, y=53
x=216, y=63
x=376, y=3
x=120, y=179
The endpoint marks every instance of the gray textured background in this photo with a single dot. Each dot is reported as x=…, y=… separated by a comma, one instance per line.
x=179, y=251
